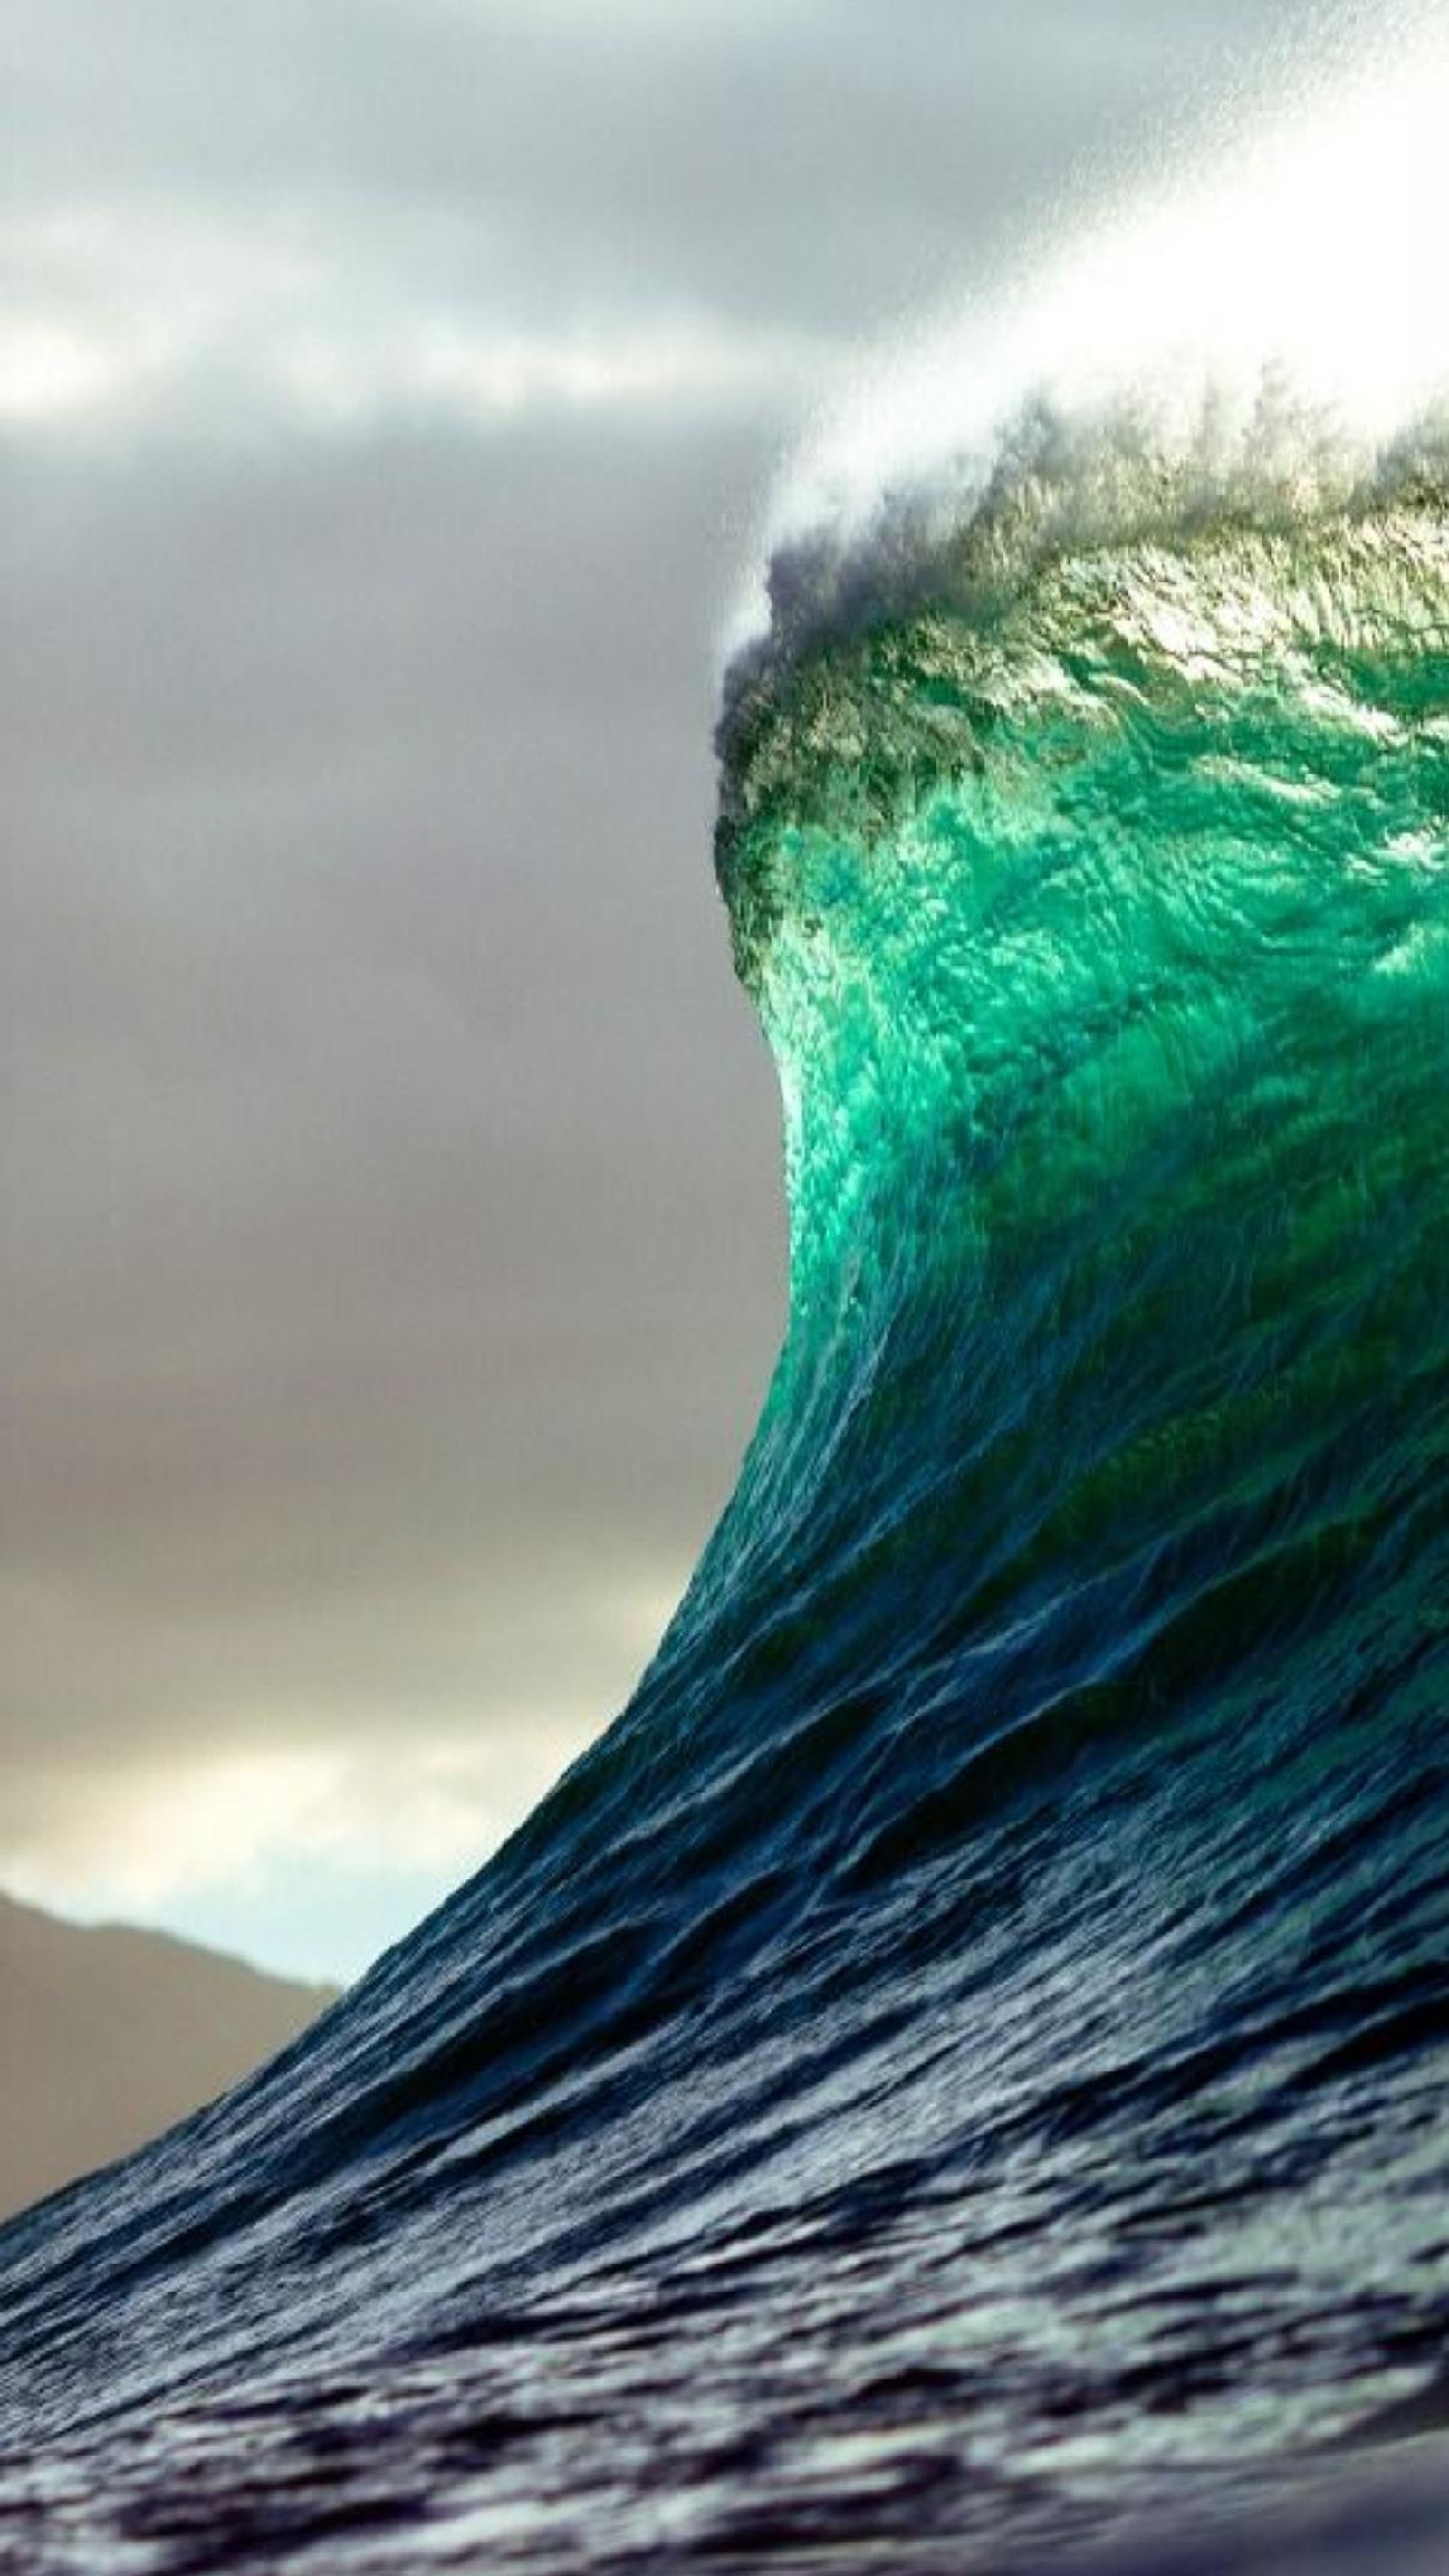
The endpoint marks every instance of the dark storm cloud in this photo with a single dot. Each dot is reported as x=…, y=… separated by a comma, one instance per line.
x=391, y=1238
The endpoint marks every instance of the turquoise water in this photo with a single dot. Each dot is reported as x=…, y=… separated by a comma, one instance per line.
x=963, y=2064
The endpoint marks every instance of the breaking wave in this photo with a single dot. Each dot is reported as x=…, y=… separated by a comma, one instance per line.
x=964, y=2061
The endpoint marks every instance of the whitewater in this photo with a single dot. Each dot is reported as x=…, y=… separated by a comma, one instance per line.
x=958, y=2075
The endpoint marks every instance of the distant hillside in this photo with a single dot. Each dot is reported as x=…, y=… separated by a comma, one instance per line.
x=108, y=2036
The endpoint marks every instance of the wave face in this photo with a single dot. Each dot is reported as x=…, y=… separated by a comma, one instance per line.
x=966, y=2058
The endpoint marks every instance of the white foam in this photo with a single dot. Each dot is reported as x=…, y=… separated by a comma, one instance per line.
x=1291, y=288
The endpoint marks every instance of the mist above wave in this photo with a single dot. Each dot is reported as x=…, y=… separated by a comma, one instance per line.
x=1260, y=335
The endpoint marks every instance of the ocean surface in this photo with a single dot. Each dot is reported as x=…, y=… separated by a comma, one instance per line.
x=958, y=2076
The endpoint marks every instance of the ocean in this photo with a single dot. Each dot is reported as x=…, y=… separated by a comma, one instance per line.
x=958, y=2075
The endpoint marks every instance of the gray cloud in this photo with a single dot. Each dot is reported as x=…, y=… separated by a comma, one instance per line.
x=817, y=168
x=369, y=1006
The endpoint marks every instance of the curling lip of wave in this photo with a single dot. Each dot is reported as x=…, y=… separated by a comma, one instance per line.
x=1057, y=484
x=1267, y=321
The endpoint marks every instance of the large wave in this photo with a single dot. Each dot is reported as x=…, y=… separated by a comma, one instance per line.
x=967, y=2056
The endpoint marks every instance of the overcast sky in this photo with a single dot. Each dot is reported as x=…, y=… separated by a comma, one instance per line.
x=391, y=1239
